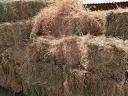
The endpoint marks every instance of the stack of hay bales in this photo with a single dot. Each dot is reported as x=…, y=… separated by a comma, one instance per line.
x=107, y=64
x=61, y=67
x=14, y=37
x=46, y=65
x=82, y=66
x=56, y=31
x=57, y=59
x=50, y=67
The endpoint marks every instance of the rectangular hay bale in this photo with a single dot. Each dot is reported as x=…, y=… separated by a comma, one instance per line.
x=117, y=25
x=107, y=58
x=14, y=33
x=18, y=10
x=97, y=86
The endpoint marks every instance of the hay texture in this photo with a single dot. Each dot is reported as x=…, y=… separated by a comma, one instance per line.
x=10, y=64
x=70, y=66
x=107, y=58
x=46, y=67
x=64, y=18
x=97, y=86
x=58, y=62
x=17, y=33
x=116, y=25
x=106, y=64
x=18, y=10
x=53, y=61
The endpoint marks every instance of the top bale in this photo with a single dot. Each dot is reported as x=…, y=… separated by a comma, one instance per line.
x=116, y=25
x=66, y=18
x=18, y=10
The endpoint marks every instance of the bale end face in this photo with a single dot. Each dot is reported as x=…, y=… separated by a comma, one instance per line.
x=116, y=25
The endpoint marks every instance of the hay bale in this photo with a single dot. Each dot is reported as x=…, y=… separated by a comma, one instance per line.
x=91, y=24
x=98, y=86
x=67, y=50
x=18, y=10
x=116, y=25
x=11, y=64
x=67, y=27
x=68, y=18
x=42, y=72
x=107, y=58
x=48, y=77
x=14, y=34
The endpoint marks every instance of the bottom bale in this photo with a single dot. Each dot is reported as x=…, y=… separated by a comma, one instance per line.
x=107, y=58
x=44, y=80
x=96, y=86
